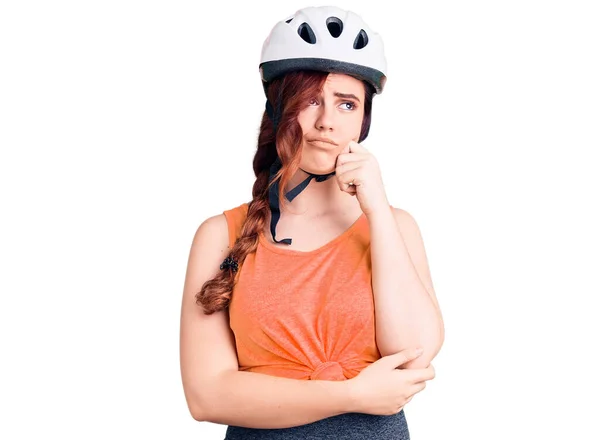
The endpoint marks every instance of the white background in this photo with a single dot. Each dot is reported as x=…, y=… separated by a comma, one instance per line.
x=125, y=124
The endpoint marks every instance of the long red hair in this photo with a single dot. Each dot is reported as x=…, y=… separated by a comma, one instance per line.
x=297, y=88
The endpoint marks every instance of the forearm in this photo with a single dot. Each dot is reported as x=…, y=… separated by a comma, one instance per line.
x=257, y=400
x=406, y=316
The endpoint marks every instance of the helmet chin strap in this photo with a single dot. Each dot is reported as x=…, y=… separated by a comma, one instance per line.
x=275, y=116
x=290, y=195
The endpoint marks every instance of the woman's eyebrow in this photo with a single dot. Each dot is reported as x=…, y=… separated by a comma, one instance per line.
x=346, y=95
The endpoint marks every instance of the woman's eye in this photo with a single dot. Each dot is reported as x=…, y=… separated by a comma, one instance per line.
x=351, y=105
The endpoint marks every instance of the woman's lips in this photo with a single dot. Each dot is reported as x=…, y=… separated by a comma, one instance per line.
x=325, y=141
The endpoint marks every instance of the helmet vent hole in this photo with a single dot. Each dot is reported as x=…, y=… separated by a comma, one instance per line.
x=361, y=40
x=306, y=33
x=335, y=26
x=288, y=20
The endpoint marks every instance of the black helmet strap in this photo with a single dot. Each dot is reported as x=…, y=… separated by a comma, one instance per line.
x=290, y=195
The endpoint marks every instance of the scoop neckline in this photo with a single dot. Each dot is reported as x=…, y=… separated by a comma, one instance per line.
x=271, y=246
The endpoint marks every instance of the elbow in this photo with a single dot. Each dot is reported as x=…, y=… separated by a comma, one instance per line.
x=430, y=350
x=205, y=396
x=202, y=402
x=198, y=414
x=196, y=407
x=423, y=361
x=196, y=411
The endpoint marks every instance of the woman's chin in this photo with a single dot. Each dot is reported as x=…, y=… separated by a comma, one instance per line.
x=320, y=162
x=318, y=170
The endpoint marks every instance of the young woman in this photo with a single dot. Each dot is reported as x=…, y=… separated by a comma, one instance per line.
x=303, y=308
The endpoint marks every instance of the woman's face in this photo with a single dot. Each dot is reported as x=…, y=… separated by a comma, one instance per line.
x=336, y=115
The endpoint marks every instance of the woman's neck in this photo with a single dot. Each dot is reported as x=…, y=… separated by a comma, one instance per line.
x=319, y=198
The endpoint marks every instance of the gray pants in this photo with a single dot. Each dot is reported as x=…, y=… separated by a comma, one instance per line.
x=347, y=426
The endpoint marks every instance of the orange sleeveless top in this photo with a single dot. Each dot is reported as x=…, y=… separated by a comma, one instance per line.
x=304, y=315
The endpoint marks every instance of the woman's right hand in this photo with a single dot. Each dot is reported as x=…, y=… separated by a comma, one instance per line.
x=382, y=389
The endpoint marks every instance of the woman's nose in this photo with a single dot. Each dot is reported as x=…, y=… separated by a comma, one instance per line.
x=325, y=120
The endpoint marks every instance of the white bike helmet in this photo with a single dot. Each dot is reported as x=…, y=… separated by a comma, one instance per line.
x=324, y=38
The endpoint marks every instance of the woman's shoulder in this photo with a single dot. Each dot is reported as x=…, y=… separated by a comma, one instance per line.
x=235, y=218
x=240, y=210
x=227, y=224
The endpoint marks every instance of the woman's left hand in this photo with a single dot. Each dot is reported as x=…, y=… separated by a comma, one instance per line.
x=356, y=165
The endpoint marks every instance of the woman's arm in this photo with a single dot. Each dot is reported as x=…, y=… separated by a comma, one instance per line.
x=214, y=389
x=406, y=308
x=256, y=400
